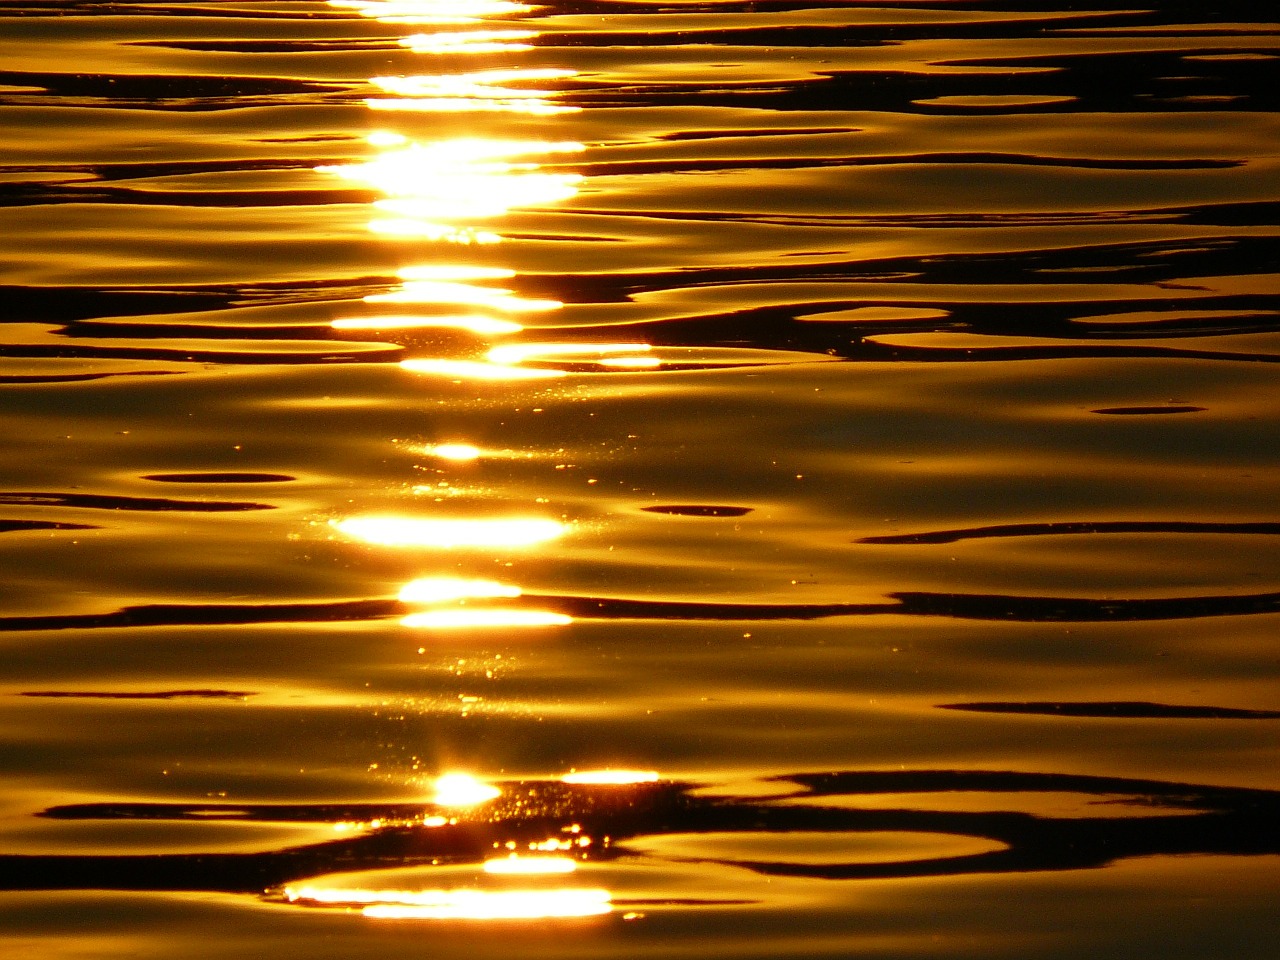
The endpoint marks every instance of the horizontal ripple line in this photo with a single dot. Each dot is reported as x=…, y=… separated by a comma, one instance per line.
x=1180, y=819
x=953, y=605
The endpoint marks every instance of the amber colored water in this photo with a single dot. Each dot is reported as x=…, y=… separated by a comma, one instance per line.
x=851, y=427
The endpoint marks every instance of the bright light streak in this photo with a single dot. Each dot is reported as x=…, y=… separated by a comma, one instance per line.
x=448, y=589
x=480, y=91
x=471, y=370
x=532, y=107
x=462, y=619
x=434, y=12
x=460, y=904
x=530, y=866
x=399, y=531
x=470, y=41
x=479, y=84
x=459, y=452
x=386, y=138
x=448, y=292
x=462, y=790
x=479, y=325
x=437, y=190
x=419, y=229
x=610, y=777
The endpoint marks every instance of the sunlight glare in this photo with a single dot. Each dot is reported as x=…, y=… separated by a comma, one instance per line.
x=436, y=190
x=462, y=790
x=477, y=324
x=447, y=292
x=459, y=452
x=473, y=370
x=460, y=904
x=471, y=41
x=485, y=90
x=446, y=589
x=433, y=11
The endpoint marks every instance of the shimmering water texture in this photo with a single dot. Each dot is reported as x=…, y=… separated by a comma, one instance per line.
x=624, y=479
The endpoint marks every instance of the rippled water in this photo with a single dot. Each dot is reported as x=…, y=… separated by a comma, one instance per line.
x=784, y=478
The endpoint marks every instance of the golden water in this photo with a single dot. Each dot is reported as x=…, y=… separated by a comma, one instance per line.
x=630, y=479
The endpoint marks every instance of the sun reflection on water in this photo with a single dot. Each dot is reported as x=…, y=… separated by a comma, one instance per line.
x=458, y=452
x=466, y=904
x=442, y=190
x=479, y=325
x=486, y=91
x=434, y=11
x=458, y=590
x=437, y=190
x=470, y=41
x=422, y=289
x=520, y=352
x=446, y=589
x=462, y=790
x=475, y=370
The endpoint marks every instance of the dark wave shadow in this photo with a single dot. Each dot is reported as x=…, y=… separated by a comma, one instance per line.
x=219, y=477
x=138, y=695
x=95, y=501
x=699, y=510
x=1117, y=709
x=960, y=606
x=1073, y=528
x=1175, y=819
x=10, y=526
x=184, y=92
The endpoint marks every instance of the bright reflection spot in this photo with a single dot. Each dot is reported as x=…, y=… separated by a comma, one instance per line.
x=448, y=292
x=462, y=790
x=470, y=370
x=397, y=531
x=455, y=451
x=446, y=589
x=610, y=777
x=438, y=189
x=530, y=866
x=479, y=325
x=479, y=84
x=386, y=138
x=461, y=619
x=500, y=196
x=470, y=41
x=519, y=352
x=460, y=904
x=433, y=11
x=466, y=236
x=554, y=843
x=483, y=90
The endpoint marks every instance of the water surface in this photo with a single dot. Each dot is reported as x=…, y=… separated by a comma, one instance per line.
x=811, y=465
